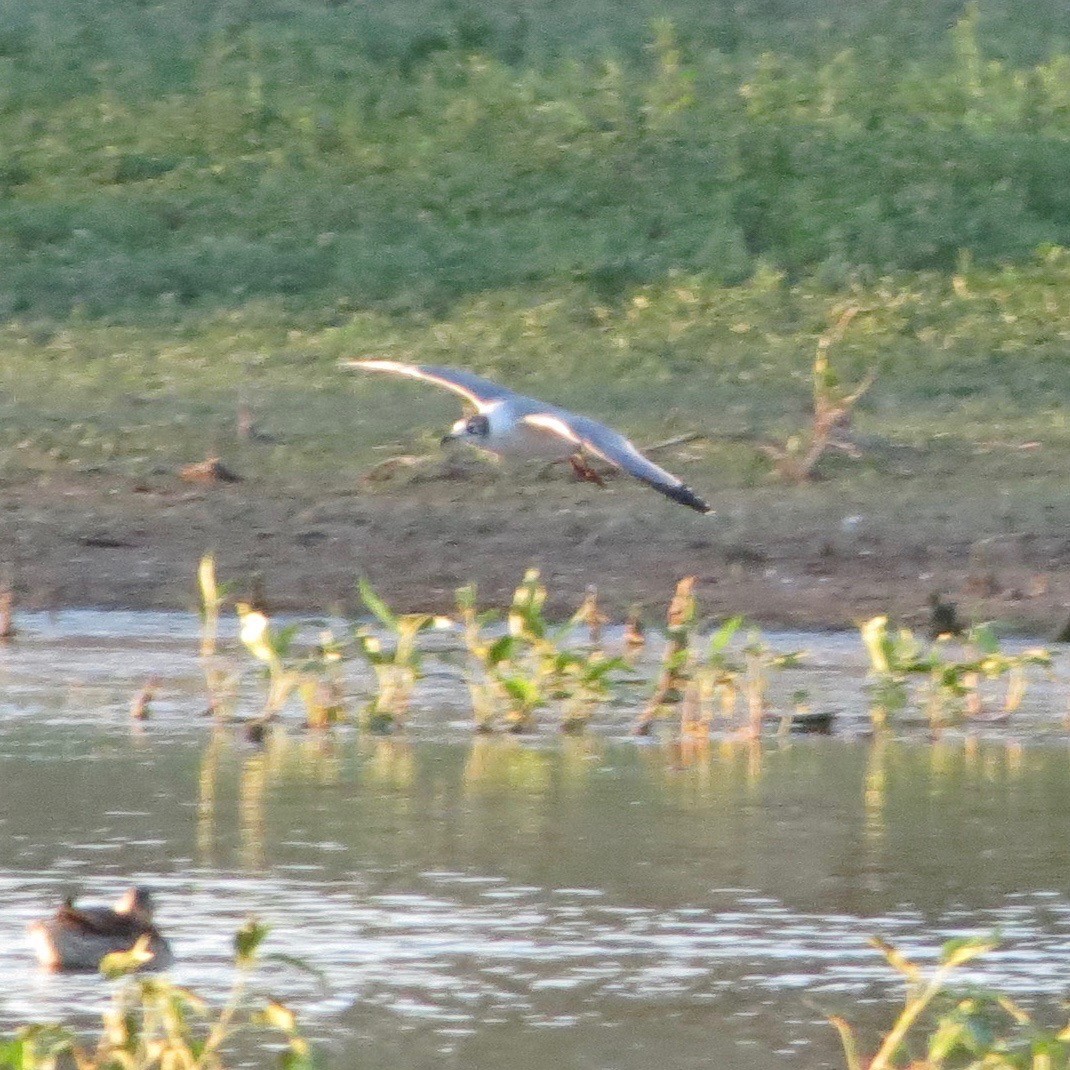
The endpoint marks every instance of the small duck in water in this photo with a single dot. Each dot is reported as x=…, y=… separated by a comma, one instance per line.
x=77, y=938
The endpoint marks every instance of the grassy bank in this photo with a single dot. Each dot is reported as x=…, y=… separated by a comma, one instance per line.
x=158, y=158
x=651, y=214
x=188, y=198
x=971, y=388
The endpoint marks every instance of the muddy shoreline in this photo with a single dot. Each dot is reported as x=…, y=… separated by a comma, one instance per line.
x=86, y=542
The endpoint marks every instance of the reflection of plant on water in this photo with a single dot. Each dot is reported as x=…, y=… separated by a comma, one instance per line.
x=312, y=759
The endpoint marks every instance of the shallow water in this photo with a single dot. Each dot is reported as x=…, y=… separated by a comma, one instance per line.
x=559, y=902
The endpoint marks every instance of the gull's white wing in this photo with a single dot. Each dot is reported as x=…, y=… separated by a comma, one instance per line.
x=613, y=447
x=473, y=388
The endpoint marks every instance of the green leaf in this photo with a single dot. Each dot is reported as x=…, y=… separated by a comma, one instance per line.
x=984, y=638
x=723, y=636
x=602, y=667
x=187, y=997
x=877, y=644
x=14, y=1056
x=278, y=1016
x=502, y=649
x=524, y=691
x=410, y=625
x=949, y=1037
x=847, y=1039
x=299, y=1057
x=121, y=963
x=959, y=951
x=376, y=606
x=247, y=940
x=283, y=639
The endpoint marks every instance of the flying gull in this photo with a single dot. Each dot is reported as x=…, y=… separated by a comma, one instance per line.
x=512, y=424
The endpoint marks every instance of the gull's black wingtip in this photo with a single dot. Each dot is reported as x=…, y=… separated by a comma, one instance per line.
x=686, y=496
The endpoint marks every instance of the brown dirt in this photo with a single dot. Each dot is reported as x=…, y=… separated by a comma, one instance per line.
x=92, y=541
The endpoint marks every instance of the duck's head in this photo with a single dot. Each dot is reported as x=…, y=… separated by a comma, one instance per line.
x=137, y=903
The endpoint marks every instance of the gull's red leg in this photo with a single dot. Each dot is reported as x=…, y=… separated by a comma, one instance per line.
x=583, y=471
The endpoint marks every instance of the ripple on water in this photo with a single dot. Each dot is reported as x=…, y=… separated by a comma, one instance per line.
x=452, y=960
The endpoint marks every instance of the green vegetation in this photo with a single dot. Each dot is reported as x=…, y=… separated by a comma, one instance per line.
x=957, y=680
x=703, y=689
x=649, y=207
x=517, y=664
x=304, y=153
x=155, y=1024
x=311, y=675
x=531, y=665
x=396, y=669
x=973, y=1030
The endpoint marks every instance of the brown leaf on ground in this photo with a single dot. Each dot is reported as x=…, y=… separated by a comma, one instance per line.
x=210, y=470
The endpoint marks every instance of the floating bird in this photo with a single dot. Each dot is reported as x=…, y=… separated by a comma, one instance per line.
x=78, y=938
x=511, y=424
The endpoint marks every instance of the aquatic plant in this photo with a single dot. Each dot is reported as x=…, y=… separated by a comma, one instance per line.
x=590, y=616
x=972, y=1030
x=697, y=688
x=213, y=597
x=514, y=675
x=397, y=666
x=677, y=662
x=271, y=648
x=155, y=1024
x=893, y=656
x=992, y=663
x=141, y=703
x=724, y=678
x=486, y=657
x=581, y=681
x=759, y=662
x=312, y=677
x=952, y=675
x=634, y=638
x=321, y=687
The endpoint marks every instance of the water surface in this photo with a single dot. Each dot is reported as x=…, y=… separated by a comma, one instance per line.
x=556, y=902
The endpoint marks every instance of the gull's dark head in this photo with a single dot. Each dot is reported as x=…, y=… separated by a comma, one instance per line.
x=472, y=429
